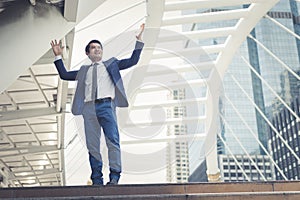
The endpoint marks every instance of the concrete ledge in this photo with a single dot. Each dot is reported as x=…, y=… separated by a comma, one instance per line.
x=208, y=196
x=190, y=189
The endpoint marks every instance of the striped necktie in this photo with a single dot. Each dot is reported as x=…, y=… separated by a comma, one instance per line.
x=94, y=82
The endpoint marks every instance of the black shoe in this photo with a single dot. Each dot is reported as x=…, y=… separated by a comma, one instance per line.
x=112, y=182
x=98, y=184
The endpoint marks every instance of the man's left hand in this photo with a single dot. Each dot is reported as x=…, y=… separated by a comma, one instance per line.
x=139, y=36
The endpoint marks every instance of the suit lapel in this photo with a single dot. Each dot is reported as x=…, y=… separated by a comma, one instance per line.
x=108, y=63
x=111, y=68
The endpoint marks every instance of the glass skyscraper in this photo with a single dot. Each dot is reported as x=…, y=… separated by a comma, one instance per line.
x=284, y=47
x=245, y=94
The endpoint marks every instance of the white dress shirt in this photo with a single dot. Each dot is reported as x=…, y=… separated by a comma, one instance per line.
x=105, y=86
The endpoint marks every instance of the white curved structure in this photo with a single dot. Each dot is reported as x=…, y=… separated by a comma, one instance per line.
x=32, y=103
x=246, y=19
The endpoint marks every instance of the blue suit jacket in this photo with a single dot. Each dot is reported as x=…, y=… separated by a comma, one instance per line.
x=113, y=67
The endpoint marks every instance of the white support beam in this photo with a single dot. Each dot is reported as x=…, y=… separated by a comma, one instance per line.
x=243, y=28
x=39, y=173
x=35, y=81
x=284, y=140
x=4, y=135
x=32, y=132
x=276, y=57
x=71, y=10
x=173, y=138
x=62, y=89
x=60, y=145
x=181, y=84
x=169, y=103
x=27, y=114
x=271, y=89
x=206, y=17
x=283, y=27
x=171, y=121
x=192, y=4
x=152, y=29
x=13, y=103
x=29, y=148
x=200, y=34
x=254, y=136
x=29, y=151
x=212, y=126
x=30, y=166
x=191, y=51
x=195, y=67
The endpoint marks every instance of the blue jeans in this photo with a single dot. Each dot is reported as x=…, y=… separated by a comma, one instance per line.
x=97, y=115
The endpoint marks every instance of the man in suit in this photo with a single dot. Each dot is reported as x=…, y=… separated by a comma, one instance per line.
x=99, y=90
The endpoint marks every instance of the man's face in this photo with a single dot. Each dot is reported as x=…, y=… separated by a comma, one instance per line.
x=95, y=53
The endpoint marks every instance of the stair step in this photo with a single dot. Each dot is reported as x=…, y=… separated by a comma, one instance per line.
x=205, y=196
x=239, y=190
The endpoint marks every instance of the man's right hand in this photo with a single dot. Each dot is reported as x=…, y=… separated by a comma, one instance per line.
x=56, y=47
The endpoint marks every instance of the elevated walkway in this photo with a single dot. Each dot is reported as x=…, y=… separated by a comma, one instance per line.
x=208, y=191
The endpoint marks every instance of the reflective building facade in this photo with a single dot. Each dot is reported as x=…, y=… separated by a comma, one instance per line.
x=253, y=83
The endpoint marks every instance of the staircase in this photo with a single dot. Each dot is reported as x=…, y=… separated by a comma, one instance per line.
x=209, y=191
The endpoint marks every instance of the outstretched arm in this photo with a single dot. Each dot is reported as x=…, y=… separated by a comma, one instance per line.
x=135, y=56
x=63, y=73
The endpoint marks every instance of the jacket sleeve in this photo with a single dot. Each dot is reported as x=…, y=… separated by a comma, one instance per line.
x=63, y=73
x=135, y=56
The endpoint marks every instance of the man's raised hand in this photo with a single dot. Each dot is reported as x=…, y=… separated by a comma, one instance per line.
x=56, y=47
x=139, y=36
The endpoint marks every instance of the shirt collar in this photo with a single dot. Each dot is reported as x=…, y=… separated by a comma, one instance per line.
x=97, y=63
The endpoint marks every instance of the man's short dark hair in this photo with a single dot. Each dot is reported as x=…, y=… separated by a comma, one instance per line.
x=87, y=48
